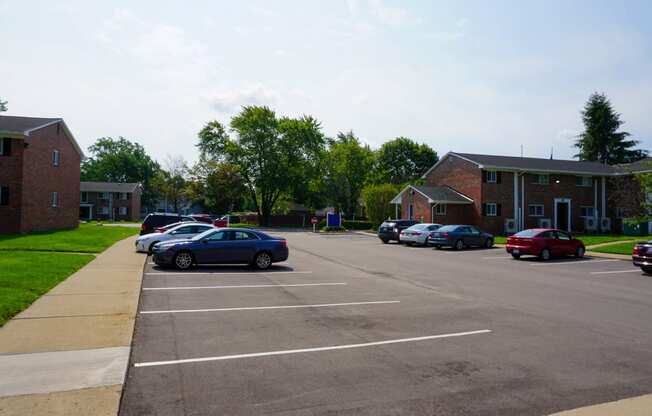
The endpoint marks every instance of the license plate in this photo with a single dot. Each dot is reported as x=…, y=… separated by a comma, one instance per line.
x=516, y=251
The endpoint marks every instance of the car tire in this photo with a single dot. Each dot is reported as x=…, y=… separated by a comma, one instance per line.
x=489, y=242
x=385, y=241
x=409, y=243
x=262, y=261
x=459, y=245
x=183, y=260
x=579, y=253
x=646, y=269
x=151, y=247
x=545, y=254
x=516, y=256
x=437, y=247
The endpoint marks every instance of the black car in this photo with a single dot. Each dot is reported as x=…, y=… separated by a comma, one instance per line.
x=460, y=236
x=222, y=246
x=391, y=229
x=161, y=219
x=642, y=256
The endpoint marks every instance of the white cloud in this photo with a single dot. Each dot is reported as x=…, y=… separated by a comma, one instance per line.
x=230, y=101
x=379, y=12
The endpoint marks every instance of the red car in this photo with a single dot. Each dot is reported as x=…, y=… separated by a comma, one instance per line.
x=544, y=243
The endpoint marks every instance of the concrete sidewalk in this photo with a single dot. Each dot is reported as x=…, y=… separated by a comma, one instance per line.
x=68, y=352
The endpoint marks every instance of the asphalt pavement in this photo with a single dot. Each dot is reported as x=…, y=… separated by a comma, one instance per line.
x=350, y=326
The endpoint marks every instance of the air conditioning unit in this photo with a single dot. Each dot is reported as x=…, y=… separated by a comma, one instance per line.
x=510, y=226
x=544, y=223
x=590, y=224
x=605, y=224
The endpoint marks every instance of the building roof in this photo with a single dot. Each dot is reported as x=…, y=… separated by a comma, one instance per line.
x=538, y=164
x=108, y=187
x=23, y=126
x=643, y=165
x=436, y=195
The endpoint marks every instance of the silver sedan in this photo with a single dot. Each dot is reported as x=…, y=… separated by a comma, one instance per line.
x=183, y=231
x=418, y=233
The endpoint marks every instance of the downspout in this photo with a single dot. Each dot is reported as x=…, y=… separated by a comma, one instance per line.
x=432, y=213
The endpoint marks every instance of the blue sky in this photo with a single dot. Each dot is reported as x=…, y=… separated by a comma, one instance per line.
x=484, y=77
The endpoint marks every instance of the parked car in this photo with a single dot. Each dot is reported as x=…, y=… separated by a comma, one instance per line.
x=418, y=233
x=157, y=219
x=223, y=246
x=202, y=218
x=183, y=230
x=544, y=243
x=391, y=229
x=225, y=220
x=642, y=256
x=170, y=226
x=460, y=236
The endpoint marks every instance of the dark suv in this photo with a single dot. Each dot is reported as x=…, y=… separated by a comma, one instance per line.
x=153, y=221
x=391, y=229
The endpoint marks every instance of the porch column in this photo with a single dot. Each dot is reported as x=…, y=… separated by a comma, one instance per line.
x=522, y=202
x=396, y=211
x=604, y=198
x=516, y=216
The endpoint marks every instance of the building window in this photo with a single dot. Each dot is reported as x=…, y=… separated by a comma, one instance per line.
x=104, y=210
x=84, y=197
x=104, y=195
x=492, y=176
x=4, y=195
x=535, y=210
x=55, y=199
x=587, y=212
x=123, y=210
x=123, y=196
x=541, y=179
x=5, y=147
x=620, y=213
x=584, y=181
x=55, y=158
x=440, y=209
x=490, y=209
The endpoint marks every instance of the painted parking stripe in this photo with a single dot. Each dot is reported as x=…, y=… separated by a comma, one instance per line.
x=562, y=263
x=218, y=273
x=304, y=350
x=618, y=271
x=261, y=308
x=241, y=286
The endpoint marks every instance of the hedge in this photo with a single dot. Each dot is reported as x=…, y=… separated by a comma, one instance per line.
x=350, y=225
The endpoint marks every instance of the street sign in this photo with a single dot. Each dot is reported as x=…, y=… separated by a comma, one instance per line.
x=314, y=220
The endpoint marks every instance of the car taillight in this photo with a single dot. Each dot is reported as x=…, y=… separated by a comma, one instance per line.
x=143, y=226
x=283, y=243
x=444, y=234
x=639, y=249
x=160, y=230
x=416, y=233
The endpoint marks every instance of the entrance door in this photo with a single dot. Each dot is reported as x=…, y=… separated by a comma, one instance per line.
x=410, y=212
x=562, y=215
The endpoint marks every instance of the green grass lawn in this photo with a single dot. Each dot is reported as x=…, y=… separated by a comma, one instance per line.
x=27, y=275
x=88, y=238
x=621, y=248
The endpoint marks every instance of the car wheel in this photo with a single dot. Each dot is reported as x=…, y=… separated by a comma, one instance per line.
x=183, y=260
x=437, y=247
x=263, y=260
x=545, y=254
x=489, y=243
x=646, y=269
x=409, y=243
x=516, y=256
x=385, y=241
x=151, y=247
x=579, y=253
x=459, y=245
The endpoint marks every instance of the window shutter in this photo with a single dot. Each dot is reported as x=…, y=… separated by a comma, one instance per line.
x=4, y=195
x=484, y=176
x=498, y=210
x=6, y=147
x=498, y=177
x=484, y=209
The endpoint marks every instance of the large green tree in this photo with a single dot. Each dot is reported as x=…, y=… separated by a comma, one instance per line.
x=120, y=160
x=274, y=155
x=345, y=168
x=171, y=182
x=217, y=186
x=402, y=160
x=601, y=141
x=377, y=200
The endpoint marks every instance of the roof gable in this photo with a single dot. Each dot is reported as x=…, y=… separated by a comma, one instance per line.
x=23, y=126
x=436, y=195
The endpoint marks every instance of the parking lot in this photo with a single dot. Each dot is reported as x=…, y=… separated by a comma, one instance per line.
x=352, y=326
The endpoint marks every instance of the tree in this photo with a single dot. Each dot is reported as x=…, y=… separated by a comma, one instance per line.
x=601, y=141
x=3, y=105
x=273, y=155
x=345, y=168
x=402, y=160
x=377, y=200
x=218, y=186
x=119, y=160
x=171, y=182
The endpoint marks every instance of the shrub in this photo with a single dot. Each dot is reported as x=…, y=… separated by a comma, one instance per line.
x=377, y=200
x=357, y=225
x=333, y=229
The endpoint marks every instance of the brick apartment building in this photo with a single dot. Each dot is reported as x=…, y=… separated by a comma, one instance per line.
x=503, y=194
x=39, y=175
x=110, y=201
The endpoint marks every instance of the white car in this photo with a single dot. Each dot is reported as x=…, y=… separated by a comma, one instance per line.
x=183, y=231
x=418, y=233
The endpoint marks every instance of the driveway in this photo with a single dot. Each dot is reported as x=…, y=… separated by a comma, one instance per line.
x=351, y=326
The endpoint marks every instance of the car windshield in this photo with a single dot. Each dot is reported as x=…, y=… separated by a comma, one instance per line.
x=388, y=224
x=447, y=228
x=527, y=233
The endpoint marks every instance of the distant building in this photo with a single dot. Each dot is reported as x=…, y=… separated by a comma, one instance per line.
x=110, y=201
x=39, y=175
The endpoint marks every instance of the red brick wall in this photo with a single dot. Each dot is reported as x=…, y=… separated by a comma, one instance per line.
x=11, y=174
x=41, y=178
x=420, y=206
x=135, y=204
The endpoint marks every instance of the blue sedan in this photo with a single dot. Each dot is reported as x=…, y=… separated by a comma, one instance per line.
x=460, y=236
x=222, y=246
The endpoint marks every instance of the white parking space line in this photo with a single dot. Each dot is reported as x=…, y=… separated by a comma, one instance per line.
x=618, y=271
x=564, y=263
x=261, y=308
x=304, y=350
x=242, y=286
x=218, y=273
